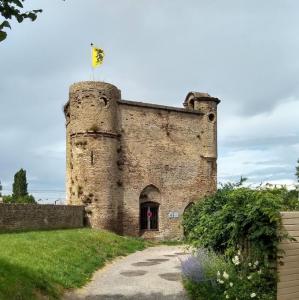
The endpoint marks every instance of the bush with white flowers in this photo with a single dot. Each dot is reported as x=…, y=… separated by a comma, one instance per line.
x=245, y=219
x=245, y=280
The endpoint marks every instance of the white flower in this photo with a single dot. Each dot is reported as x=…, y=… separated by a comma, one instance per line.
x=249, y=264
x=227, y=296
x=236, y=260
x=249, y=277
x=220, y=281
x=239, y=252
x=231, y=284
x=252, y=295
x=256, y=263
x=218, y=274
x=225, y=275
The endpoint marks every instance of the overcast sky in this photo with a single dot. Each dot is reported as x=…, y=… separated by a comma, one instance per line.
x=243, y=52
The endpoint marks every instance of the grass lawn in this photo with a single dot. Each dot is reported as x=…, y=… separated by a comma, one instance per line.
x=44, y=263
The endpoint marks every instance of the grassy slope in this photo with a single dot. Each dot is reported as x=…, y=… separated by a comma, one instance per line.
x=46, y=262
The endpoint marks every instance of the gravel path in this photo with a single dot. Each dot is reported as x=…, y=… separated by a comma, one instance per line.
x=152, y=274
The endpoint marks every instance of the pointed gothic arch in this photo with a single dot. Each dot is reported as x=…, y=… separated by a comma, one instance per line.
x=149, y=203
x=189, y=205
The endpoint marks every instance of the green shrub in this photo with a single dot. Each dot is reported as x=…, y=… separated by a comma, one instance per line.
x=200, y=274
x=246, y=279
x=27, y=199
x=203, y=265
x=202, y=290
x=235, y=218
x=238, y=218
x=214, y=277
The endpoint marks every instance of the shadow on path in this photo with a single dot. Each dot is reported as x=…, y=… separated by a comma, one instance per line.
x=154, y=296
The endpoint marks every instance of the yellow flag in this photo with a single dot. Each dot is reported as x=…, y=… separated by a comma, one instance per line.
x=97, y=56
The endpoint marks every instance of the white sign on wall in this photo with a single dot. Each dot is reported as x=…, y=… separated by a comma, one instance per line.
x=173, y=215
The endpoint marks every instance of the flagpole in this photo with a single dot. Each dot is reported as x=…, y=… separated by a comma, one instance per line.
x=92, y=68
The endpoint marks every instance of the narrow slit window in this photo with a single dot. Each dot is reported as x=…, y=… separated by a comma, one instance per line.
x=91, y=157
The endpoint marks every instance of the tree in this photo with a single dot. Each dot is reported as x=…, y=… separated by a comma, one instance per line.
x=24, y=199
x=19, y=190
x=297, y=171
x=14, y=9
x=19, y=187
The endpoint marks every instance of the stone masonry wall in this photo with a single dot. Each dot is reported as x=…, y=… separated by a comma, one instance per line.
x=34, y=217
x=92, y=141
x=163, y=148
x=120, y=152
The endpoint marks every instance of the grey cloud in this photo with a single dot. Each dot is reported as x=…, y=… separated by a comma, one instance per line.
x=244, y=52
x=241, y=142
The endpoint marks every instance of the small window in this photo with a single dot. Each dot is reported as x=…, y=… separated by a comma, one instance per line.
x=104, y=100
x=91, y=158
x=149, y=216
x=211, y=117
x=191, y=104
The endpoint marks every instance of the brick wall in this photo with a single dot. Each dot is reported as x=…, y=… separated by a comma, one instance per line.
x=35, y=216
x=288, y=285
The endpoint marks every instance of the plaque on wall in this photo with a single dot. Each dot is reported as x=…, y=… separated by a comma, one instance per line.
x=173, y=215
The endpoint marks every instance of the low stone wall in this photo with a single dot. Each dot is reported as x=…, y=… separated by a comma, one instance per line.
x=15, y=217
x=288, y=285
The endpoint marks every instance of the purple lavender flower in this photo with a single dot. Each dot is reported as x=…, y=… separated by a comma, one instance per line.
x=192, y=269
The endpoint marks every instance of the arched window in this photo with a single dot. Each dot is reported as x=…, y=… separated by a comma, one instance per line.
x=149, y=202
x=191, y=103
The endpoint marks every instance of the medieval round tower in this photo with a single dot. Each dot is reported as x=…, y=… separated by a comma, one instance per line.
x=92, y=142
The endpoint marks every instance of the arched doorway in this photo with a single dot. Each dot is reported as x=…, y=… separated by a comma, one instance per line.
x=188, y=206
x=149, y=216
x=149, y=202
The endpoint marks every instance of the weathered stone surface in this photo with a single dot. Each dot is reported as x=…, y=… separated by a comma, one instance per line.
x=34, y=217
x=122, y=153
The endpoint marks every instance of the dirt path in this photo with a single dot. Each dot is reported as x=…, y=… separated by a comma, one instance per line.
x=154, y=273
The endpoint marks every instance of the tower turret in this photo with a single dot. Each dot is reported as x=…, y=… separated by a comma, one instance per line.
x=207, y=105
x=92, y=141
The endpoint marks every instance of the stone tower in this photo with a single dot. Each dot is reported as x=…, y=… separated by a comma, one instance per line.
x=92, y=141
x=137, y=167
x=207, y=105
